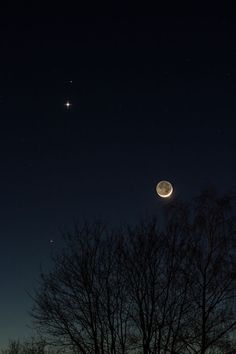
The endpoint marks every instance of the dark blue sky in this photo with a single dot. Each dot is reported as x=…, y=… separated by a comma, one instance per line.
x=153, y=97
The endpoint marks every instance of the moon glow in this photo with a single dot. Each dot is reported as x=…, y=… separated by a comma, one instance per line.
x=164, y=189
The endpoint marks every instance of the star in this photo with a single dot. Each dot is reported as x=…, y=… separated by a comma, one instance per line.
x=68, y=104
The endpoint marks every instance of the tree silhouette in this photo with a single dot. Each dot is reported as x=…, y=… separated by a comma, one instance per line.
x=30, y=346
x=83, y=303
x=148, y=288
x=212, y=273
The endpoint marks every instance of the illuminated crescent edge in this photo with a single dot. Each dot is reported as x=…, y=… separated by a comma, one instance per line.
x=166, y=195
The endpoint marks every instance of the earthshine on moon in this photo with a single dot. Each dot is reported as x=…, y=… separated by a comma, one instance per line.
x=164, y=189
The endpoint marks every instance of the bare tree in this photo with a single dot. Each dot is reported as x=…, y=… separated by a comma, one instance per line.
x=211, y=270
x=141, y=268
x=82, y=303
x=145, y=289
x=154, y=264
x=30, y=346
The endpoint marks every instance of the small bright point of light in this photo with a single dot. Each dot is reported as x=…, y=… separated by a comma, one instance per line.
x=68, y=104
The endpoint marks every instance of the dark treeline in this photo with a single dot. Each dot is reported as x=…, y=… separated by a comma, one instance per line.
x=28, y=346
x=145, y=289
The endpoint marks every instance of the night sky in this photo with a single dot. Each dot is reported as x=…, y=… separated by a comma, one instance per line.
x=152, y=97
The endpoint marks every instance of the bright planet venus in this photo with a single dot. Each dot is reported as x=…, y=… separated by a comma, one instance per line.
x=164, y=189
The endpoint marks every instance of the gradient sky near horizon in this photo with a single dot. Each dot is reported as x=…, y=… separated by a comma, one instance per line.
x=152, y=97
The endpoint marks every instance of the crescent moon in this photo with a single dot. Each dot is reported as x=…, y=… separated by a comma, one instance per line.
x=164, y=189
